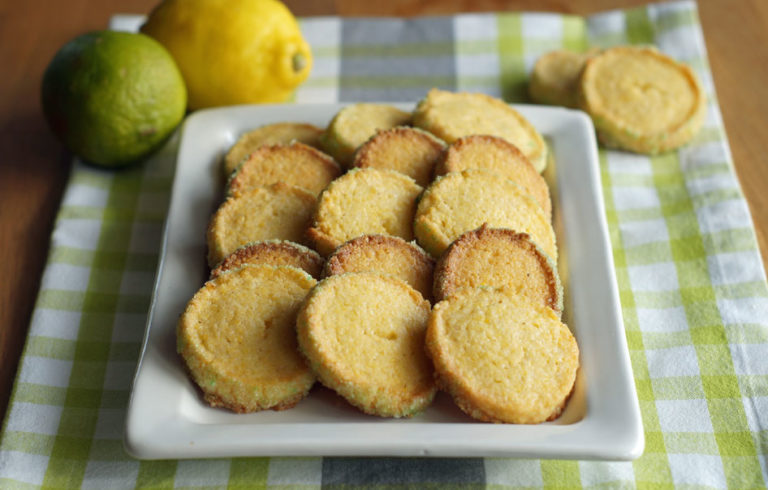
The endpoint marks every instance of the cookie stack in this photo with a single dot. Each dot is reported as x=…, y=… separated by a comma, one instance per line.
x=333, y=244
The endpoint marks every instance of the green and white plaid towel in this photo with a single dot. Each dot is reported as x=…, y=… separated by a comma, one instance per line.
x=692, y=285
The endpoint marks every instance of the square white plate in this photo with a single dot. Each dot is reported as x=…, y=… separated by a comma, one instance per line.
x=167, y=418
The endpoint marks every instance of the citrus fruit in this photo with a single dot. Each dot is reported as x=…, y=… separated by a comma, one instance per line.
x=113, y=97
x=232, y=51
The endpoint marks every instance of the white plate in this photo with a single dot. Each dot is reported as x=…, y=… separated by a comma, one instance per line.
x=167, y=418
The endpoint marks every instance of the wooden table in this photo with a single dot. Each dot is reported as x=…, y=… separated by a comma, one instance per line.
x=34, y=168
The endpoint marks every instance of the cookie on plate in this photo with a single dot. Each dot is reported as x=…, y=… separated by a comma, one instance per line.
x=278, y=211
x=362, y=202
x=363, y=335
x=273, y=252
x=452, y=115
x=239, y=342
x=385, y=254
x=642, y=100
x=270, y=134
x=462, y=201
x=355, y=124
x=295, y=164
x=500, y=156
x=499, y=257
x=502, y=357
x=410, y=151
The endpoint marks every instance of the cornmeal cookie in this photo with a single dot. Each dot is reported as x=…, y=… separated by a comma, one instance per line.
x=498, y=257
x=642, y=100
x=355, y=124
x=295, y=164
x=273, y=252
x=385, y=254
x=278, y=211
x=462, y=201
x=501, y=156
x=363, y=335
x=502, y=357
x=270, y=134
x=363, y=202
x=555, y=77
x=237, y=337
x=451, y=115
x=410, y=151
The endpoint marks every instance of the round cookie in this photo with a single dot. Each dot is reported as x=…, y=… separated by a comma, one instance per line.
x=462, y=201
x=410, y=151
x=501, y=357
x=270, y=134
x=273, y=252
x=451, y=115
x=498, y=257
x=238, y=341
x=555, y=77
x=642, y=100
x=363, y=335
x=500, y=156
x=355, y=124
x=278, y=211
x=388, y=255
x=294, y=164
x=362, y=202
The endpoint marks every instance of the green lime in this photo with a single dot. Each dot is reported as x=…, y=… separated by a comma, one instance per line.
x=113, y=98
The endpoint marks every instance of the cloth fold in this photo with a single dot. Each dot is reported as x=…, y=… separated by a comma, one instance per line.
x=692, y=285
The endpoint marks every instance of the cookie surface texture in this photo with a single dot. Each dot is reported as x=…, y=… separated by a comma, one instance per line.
x=294, y=164
x=273, y=252
x=500, y=156
x=363, y=202
x=452, y=115
x=410, y=151
x=555, y=77
x=497, y=257
x=237, y=337
x=462, y=201
x=279, y=211
x=270, y=134
x=363, y=335
x=354, y=124
x=642, y=100
x=388, y=255
x=501, y=357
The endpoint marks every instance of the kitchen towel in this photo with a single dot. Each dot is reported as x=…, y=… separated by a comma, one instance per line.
x=692, y=284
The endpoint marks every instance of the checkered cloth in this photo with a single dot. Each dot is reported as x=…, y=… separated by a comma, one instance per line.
x=692, y=285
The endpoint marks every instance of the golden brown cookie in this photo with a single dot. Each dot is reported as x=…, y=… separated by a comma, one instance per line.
x=273, y=252
x=388, y=255
x=498, y=257
x=501, y=357
x=363, y=335
x=238, y=340
x=500, y=156
x=410, y=151
x=555, y=77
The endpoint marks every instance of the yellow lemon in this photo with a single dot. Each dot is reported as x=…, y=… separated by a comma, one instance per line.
x=232, y=51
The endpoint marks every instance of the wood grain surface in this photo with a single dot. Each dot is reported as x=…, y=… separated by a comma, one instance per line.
x=34, y=168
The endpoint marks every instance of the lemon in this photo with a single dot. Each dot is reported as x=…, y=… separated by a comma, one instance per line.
x=112, y=97
x=232, y=51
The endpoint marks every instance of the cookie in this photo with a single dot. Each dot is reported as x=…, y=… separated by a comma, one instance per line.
x=641, y=100
x=462, y=201
x=385, y=254
x=452, y=115
x=363, y=335
x=555, y=77
x=273, y=252
x=501, y=357
x=238, y=340
x=363, y=202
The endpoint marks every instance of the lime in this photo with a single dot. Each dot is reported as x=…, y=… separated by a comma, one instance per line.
x=113, y=98
x=232, y=51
